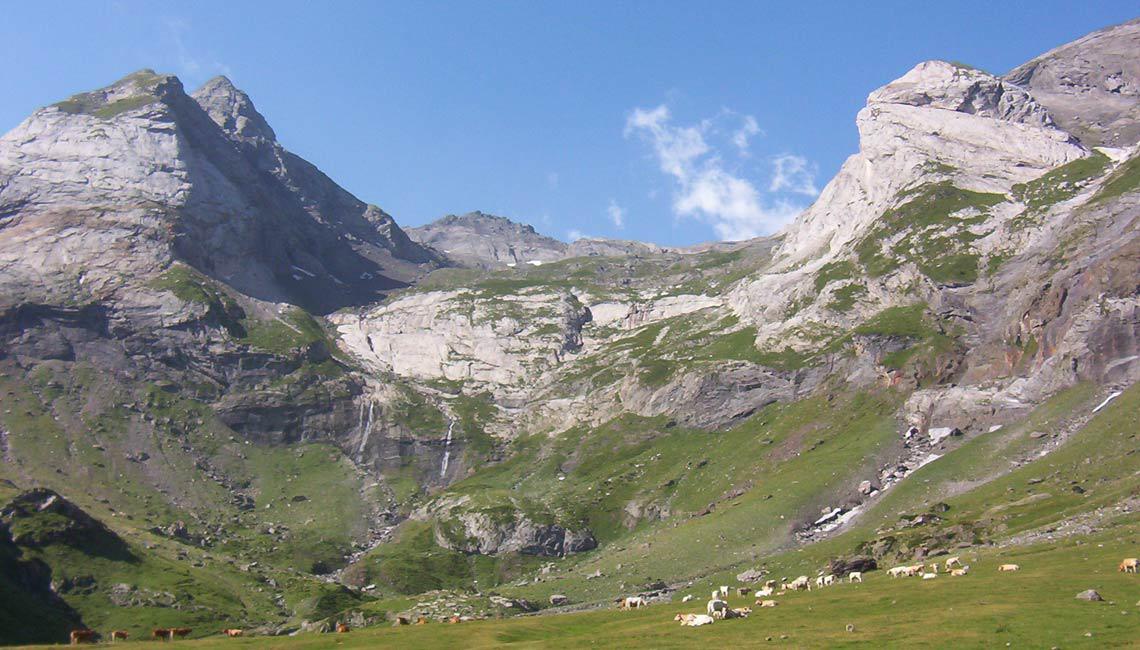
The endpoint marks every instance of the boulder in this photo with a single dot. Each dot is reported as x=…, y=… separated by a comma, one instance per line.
x=559, y=599
x=1090, y=595
x=844, y=565
x=751, y=575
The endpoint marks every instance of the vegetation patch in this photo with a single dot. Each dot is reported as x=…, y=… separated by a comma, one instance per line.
x=1062, y=183
x=1125, y=179
x=932, y=230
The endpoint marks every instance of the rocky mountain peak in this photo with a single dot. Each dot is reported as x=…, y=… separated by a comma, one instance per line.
x=481, y=239
x=232, y=109
x=1091, y=86
x=133, y=91
x=957, y=87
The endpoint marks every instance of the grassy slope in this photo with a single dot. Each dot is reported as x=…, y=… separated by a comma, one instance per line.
x=73, y=432
x=1034, y=607
x=775, y=456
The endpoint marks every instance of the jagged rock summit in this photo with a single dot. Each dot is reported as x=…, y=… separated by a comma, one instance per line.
x=108, y=188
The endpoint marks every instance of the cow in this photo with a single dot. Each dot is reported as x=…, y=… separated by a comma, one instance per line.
x=232, y=632
x=952, y=561
x=800, y=583
x=1129, y=565
x=743, y=591
x=715, y=606
x=160, y=634
x=855, y=576
x=82, y=636
x=632, y=602
x=454, y=620
x=402, y=620
x=694, y=620
x=1009, y=567
x=180, y=632
x=766, y=603
x=118, y=634
x=342, y=628
x=419, y=621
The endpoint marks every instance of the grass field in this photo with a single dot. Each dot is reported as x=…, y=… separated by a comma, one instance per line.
x=1035, y=607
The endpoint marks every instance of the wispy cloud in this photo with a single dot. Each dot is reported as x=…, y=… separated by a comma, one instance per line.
x=706, y=187
x=742, y=135
x=617, y=214
x=574, y=234
x=193, y=66
x=792, y=173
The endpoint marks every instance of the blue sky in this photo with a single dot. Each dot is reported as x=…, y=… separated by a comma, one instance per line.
x=672, y=122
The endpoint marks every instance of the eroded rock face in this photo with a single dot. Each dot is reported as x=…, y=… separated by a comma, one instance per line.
x=938, y=119
x=717, y=396
x=502, y=529
x=1091, y=86
x=105, y=189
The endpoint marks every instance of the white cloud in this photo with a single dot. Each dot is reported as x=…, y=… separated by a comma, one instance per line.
x=705, y=188
x=617, y=214
x=793, y=174
x=574, y=234
x=741, y=136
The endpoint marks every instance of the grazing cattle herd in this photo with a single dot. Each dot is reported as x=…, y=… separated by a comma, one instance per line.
x=717, y=608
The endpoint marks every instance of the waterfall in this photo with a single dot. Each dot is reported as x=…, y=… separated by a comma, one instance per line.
x=367, y=431
x=446, y=449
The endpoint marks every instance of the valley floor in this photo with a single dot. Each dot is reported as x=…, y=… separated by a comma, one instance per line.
x=1035, y=607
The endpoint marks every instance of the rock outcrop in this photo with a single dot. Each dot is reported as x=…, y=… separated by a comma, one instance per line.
x=485, y=240
x=1090, y=86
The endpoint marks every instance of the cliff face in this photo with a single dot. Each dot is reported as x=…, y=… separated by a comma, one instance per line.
x=1090, y=86
x=107, y=188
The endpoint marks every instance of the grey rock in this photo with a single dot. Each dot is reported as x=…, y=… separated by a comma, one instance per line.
x=1091, y=86
x=1090, y=595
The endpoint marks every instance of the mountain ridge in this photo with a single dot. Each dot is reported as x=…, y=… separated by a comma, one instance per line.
x=193, y=358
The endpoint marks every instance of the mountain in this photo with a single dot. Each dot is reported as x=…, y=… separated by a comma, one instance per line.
x=486, y=240
x=1090, y=85
x=227, y=382
x=159, y=176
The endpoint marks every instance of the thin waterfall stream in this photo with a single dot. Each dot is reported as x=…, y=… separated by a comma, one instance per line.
x=446, y=449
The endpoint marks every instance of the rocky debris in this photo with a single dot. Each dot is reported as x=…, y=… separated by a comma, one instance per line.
x=1090, y=595
x=557, y=600
x=751, y=575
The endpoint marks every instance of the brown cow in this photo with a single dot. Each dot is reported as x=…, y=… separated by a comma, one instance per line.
x=180, y=632
x=342, y=628
x=160, y=633
x=402, y=620
x=118, y=634
x=453, y=620
x=1129, y=565
x=232, y=632
x=421, y=621
x=82, y=636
